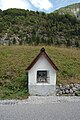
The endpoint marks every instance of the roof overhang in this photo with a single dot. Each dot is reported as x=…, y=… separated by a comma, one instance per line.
x=42, y=52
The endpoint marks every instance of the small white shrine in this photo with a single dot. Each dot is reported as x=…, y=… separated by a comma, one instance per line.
x=42, y=75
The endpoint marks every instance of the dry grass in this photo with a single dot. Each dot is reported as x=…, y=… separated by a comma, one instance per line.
x=15, y=59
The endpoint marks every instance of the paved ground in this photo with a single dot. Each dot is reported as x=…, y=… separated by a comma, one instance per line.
x=41, y=108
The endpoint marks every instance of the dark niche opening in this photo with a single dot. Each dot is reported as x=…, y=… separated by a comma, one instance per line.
x=42, y=76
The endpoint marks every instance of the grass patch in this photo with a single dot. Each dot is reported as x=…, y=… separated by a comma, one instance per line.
x=15, y=59
x=77, y=93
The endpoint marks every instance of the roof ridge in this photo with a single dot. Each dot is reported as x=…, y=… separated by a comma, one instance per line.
x=42, y=52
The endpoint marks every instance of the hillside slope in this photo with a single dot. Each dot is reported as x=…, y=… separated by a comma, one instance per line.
x=15, y=59
x=18, y=26
x=71, y=9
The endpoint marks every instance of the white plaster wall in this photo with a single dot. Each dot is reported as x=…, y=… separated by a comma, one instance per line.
x=41, y=88
x=42, y=64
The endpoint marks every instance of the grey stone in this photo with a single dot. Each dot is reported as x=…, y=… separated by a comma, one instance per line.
x=76, y=85
x=67, y=87
x=62, y=88
x=71, y=85
x=57, y=94
x=74, y=89
x=63, y=91
x=78, y=88
x=57, y=87
x=57, y=91
x=60, y=92
x=67, y=91
x=60, y=85
x=71, y=91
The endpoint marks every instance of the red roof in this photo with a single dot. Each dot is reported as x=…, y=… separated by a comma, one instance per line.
x=42, y=52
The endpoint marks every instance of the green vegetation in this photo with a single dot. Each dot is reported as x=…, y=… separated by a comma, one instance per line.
x=18, y=26
x=73, y=9
x=77, y=93
x=23, y=27
x=15, y=59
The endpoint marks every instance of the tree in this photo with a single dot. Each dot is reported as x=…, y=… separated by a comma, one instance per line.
x=14, y=41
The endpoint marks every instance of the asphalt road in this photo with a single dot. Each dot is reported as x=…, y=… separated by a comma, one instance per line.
x=47, y=111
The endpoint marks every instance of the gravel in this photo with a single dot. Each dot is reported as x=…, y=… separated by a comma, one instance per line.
x=41, y=99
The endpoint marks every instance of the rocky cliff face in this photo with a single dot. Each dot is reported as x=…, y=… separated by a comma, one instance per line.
x=71, y=9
